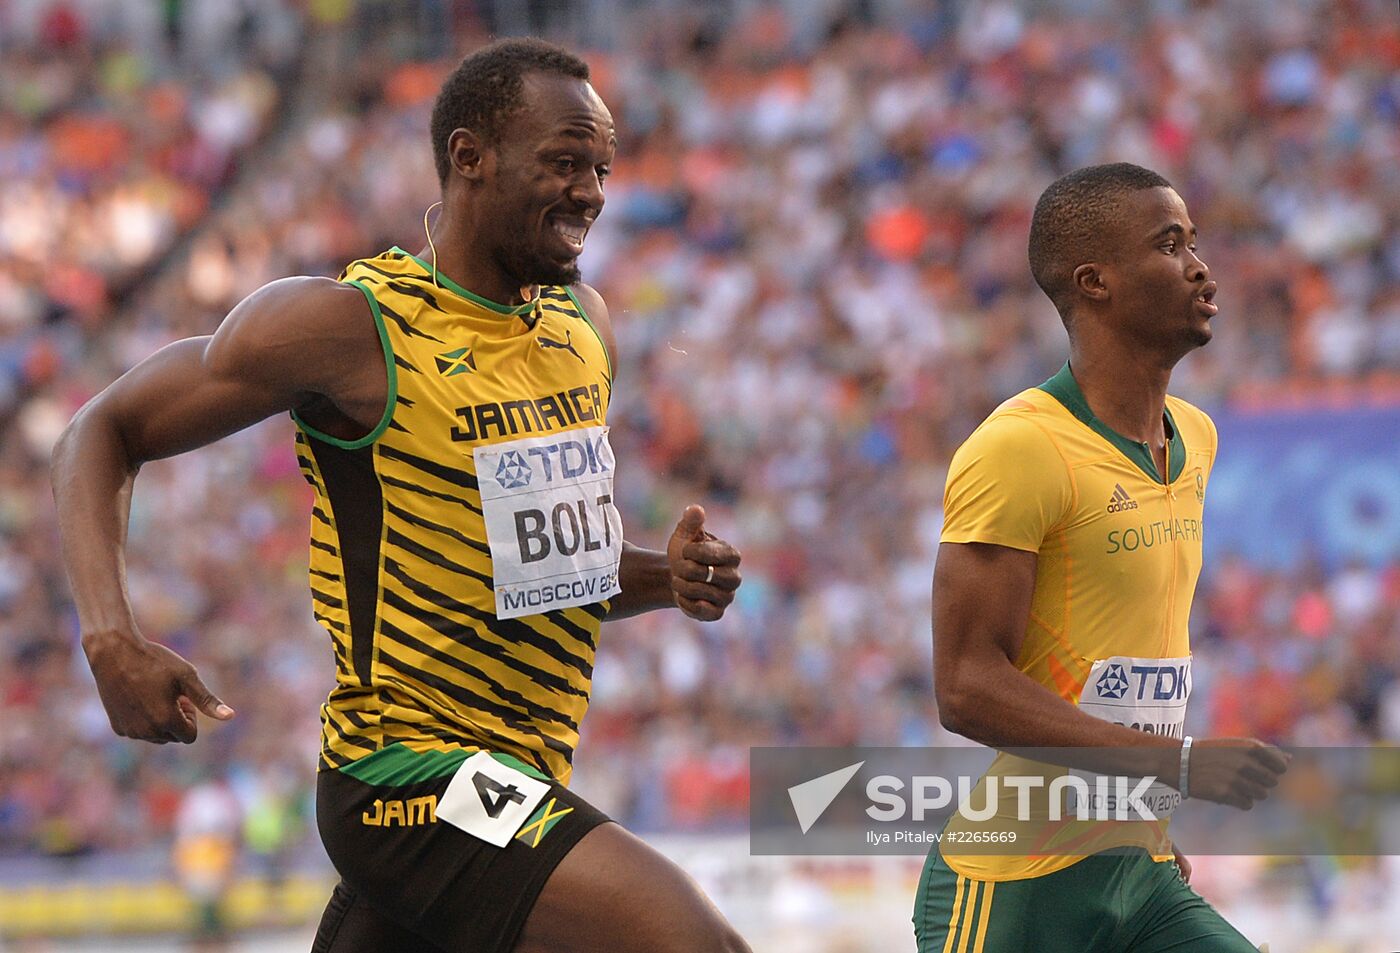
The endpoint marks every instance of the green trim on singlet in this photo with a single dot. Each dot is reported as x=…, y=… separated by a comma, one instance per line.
x=1064, y=388
x=607, y=355
x=398, y=764
x=501, y=309
x=388, y=415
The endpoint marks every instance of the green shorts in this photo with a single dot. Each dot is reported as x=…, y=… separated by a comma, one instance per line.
x=1106, y=903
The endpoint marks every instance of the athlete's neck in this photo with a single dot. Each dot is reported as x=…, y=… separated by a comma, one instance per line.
x=1128, y=392
x=461, y=260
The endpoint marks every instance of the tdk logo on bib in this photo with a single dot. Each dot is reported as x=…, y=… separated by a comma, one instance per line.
x=513, y=472
x=1136, y=680
x=1147, y=695
x=1163, y=682
x=1113, y=683
x=570, y=458
x=555, y=535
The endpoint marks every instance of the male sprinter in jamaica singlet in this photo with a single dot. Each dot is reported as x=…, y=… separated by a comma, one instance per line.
x=452, y=413
x=1070, y=550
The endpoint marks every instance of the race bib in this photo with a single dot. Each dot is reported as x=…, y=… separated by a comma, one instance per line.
x=490, y=800
x=1148, y=694
x=554, y=533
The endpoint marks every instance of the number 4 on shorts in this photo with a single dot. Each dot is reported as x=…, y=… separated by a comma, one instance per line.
x=490, y=800
x=495, y=795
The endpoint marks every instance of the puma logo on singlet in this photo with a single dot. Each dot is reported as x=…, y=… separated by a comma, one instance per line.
x=565, y=345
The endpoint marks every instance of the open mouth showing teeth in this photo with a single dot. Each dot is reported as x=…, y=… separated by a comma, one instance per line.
x=573, y=234
x=1205, y=301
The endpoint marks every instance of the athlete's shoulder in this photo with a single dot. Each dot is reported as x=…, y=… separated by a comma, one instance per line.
x=595, y=311
x=1188, y=411
x=301, y=309
x=307, y=330
x=1014, y=441
x=1020, y=422
x=1033, y=403
x=1197, y=429
x=1008, y=484
x=588, y=299
x=389, y=264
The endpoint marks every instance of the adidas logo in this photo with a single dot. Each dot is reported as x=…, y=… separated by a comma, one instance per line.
x=1120, y=500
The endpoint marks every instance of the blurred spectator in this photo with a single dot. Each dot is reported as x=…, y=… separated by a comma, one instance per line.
x=206, y=856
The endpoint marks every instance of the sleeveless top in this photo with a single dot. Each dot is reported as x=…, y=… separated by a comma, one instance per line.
x=463, y=554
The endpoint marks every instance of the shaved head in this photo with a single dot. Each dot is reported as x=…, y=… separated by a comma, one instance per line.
x=1076, y=221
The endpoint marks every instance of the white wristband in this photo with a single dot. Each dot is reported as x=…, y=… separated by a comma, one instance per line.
x=1185, y=767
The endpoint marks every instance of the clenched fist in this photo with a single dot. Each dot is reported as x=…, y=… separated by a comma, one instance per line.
x=704, y=568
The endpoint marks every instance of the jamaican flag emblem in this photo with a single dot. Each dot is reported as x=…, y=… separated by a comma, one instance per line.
x=460, y=361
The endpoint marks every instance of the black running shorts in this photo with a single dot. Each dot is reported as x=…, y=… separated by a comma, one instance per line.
x=412, y=880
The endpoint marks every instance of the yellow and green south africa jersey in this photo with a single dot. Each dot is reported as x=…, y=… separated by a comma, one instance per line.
x=1119, y=552
x=464, y=553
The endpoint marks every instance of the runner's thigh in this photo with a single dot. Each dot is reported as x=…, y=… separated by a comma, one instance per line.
x=613, y=894
x=350, y=925
x=1176, y=919
x=1073, y=910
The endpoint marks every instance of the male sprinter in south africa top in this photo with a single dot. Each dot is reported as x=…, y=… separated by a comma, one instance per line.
x=1069, y=555
x=452, y=412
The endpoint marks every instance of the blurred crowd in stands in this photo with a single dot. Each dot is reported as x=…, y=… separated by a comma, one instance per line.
x=814, y=255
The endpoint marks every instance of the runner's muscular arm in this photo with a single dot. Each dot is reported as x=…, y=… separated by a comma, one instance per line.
x=651, y=579
x=981, y=607
x=284, y=344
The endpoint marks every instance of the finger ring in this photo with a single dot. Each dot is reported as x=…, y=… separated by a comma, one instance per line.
x=710, y=576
